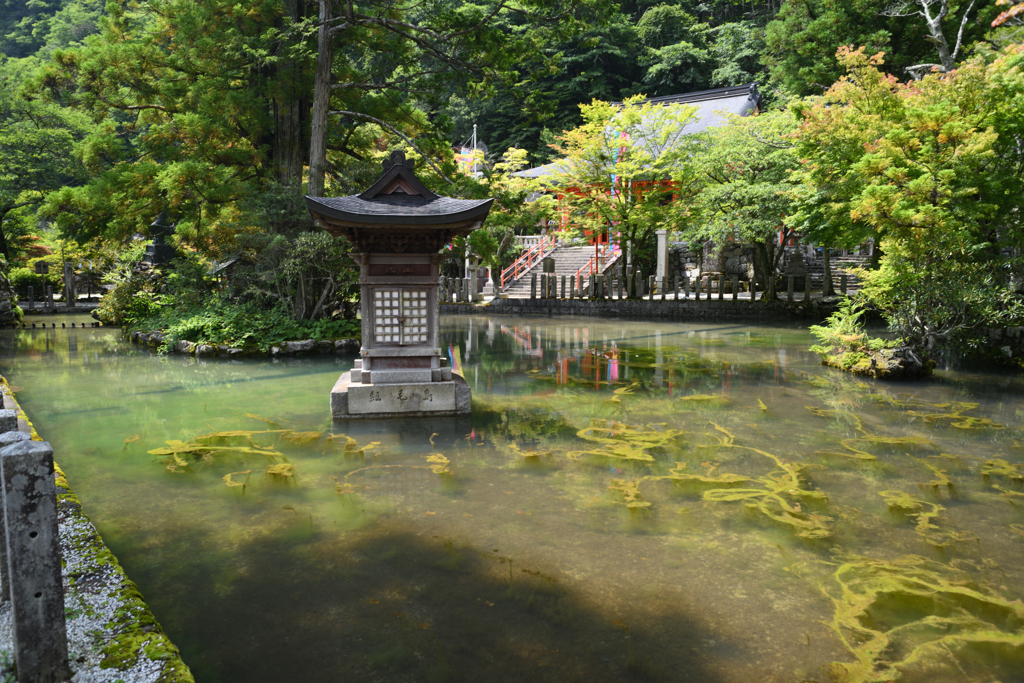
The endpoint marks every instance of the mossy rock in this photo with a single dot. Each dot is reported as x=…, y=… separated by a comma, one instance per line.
x=899, y=363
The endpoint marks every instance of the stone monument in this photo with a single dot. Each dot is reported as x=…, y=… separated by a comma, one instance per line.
x=159, y=252
x=398, y=227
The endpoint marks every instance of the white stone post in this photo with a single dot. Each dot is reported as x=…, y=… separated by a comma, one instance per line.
x=662, y=255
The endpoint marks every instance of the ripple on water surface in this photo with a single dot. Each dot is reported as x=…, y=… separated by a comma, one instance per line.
x=628, y=501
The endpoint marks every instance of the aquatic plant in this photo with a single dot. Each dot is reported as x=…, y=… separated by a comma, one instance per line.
x=302, y=438
x=229, y=478
x=621, y=441
x=352, y=449
x=1001, y=468
x=440, y=464
x=704, y=400
x=941, y=478
x=281, y=470
x=779, y=494
x=711, y=479
x=629, y=492
x=180, y=455
x=924, y=513
x=912, y=613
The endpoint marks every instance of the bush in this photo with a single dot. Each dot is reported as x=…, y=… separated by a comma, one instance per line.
x=843, y=340
x=241, y=325
x=23, y=278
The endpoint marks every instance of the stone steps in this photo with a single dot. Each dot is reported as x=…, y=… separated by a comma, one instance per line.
x=568, y=260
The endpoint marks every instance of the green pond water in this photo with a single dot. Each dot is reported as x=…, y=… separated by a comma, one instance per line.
x=628, y=501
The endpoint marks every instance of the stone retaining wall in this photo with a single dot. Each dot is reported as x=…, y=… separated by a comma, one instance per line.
x=680, y=311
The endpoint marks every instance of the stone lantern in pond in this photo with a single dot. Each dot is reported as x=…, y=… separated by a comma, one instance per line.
x=398, y=227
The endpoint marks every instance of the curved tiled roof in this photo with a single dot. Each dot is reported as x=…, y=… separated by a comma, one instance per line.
x=398, y=209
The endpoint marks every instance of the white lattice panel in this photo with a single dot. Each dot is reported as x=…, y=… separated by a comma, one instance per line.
x=400, y=316
x=387, y=308
x=414, y=308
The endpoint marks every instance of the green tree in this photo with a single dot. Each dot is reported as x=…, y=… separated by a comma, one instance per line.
x=623, y=167
x=37, y=151
x=388, y=63
x=802, y=40
x=743, y=173
x=932, y=168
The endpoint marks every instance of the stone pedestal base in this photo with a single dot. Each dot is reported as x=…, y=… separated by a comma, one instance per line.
x=354, y=400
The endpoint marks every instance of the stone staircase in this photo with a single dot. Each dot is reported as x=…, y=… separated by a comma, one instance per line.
x=568, y=260
x=840, y=265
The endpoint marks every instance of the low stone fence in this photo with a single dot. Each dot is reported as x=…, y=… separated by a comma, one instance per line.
x=636, y=286
x=713, y=296
x=678, y=310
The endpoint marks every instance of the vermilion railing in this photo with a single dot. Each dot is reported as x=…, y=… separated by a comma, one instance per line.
x=606, y=251
x=528, y=260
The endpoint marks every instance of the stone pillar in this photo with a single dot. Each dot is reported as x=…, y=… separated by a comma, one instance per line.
x=735, y=287
x=533, y=285
x=675, y=285
x=572, y=286
x=472, y=283
x=593, y=286
x=69, y=286
x=49, y=297
x=664, y=288
x=721, y=286
x=662, y=270
x=31, y=298
x=686, y=287
x=563, y=286
x=34, y=562
x=807, y=292
x=650, y=287
x=842, y=283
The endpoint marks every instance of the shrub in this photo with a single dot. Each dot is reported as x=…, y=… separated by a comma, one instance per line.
x=241, y=325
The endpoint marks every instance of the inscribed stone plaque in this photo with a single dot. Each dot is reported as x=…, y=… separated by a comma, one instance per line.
x=401, y=398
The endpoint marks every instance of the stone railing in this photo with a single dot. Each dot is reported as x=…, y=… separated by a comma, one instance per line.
x=30, y=556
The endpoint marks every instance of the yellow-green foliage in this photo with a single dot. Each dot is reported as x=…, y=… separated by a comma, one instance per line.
x=955, y=613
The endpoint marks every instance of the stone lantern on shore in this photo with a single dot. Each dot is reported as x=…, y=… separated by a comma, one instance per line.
x=398, y=227
x=160, y=253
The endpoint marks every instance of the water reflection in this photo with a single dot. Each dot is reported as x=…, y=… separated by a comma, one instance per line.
x=627, y=501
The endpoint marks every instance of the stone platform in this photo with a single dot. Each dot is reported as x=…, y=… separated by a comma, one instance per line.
x=355, y=400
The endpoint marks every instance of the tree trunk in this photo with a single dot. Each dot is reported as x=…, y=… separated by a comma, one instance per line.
x=4, y=249
x=321, y=104
x=289, y=107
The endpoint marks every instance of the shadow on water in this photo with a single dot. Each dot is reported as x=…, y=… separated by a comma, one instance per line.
x=404, y=606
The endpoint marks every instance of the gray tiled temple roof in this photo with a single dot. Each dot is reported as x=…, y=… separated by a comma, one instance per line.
x=398, y=198
x=401, y=209
x=712, y=109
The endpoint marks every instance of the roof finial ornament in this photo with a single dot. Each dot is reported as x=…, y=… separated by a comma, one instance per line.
x=397, y=158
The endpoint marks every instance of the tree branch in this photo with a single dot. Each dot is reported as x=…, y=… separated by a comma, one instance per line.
x=388, y=126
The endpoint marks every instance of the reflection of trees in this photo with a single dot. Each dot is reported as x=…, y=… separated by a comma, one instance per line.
x=572, y=356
